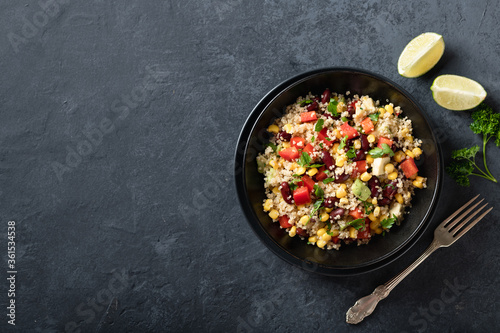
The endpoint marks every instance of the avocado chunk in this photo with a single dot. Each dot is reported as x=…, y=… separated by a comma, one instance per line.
x=360, y=190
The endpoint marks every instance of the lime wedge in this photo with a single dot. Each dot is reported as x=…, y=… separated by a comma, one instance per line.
x=421, y=54
x=457, y=93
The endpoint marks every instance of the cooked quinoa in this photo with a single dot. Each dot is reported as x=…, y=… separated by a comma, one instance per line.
x=340, y=169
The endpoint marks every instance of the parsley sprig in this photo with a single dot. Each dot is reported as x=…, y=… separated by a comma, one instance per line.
x=356, y=224
x=388, y=222
x=379, y=152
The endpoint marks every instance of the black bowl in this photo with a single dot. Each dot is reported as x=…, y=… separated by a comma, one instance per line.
x=350, y=259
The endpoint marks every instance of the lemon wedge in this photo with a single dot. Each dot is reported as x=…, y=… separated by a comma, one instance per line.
x=421, y=54
x=457, y=93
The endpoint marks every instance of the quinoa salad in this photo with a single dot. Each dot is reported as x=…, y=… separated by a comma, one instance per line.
x=340, y=169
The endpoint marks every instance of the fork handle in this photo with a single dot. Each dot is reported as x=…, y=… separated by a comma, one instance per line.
x=366, y=305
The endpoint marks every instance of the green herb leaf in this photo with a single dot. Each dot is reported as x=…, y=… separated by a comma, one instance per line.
x=316, y=207
x=356, y=224
x=318, y=191
x=379, y=152
x=293, y=187
x=344, y=119
x=304, y=159
x=328, y=180
x=321, y=144
x=315, y=165
x=465, y=153
x=368, y=207
x=319, y=125
x=388, y=222
x=374, y=116
x=305, y=102
x=343, y=142
x=351, y=153
x=332, y=107
x=313, y=138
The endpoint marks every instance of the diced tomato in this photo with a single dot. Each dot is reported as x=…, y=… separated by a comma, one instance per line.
x=356, y=213
x=308, y=182
x=353, y=104
x=348, y=130
x=409, y=167
x=321, y=175
x=336, y=239
x=308, y=116
x=298, y=142
x=382, y=140
x=359, y=168
x=367, y=125
x=366, y=233
x=301, y=232
x=324, y=138
x=309, y=149
x=284, y=221
x=290, y=153
x=301, y=196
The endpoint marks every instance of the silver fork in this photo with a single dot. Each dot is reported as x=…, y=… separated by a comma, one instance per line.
x=447, y=233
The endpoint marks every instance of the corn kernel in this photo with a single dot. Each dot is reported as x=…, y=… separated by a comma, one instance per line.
x=409, y=153
x=334, y=232
x=312, y=172
x=324, y=217
x=344, y=186
x=374, y=201
x=392, y=175
x=321, y=243
x=274, y=164
x=389, y=109
x=365, y=176
x=293, y=166
x=353, y=233
x=372, y=217
x=336, y=133
x=371, y=138
x=344, y=201
x=341, y=107
x=376, y=211
x=299, y=207
x=321, y=232
x=357, y=144
x=268, y=204
x=417, y=152
x=399, y=156
x=335, y=148
x=389, y=167
x=273, y=128
x=288, y=128
x=286, y=145
x=341, y=193
x=312, y=239
x=399, y=198
x=340, y=161
x=304, y=219
x=293, y=231
x=328, y=210
x=274, y=214
x=300, y=170
x=409, y=138
x=381, y=111
x=379, y=230
x=374, y=224
x=326, y=237
x=276, y=190
x=405, y=131
x=418, y=184
x=369, y=159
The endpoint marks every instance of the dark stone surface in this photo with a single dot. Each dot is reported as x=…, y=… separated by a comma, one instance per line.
x=144, y=232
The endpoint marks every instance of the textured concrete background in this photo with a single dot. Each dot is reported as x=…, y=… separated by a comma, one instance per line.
x=118, y=127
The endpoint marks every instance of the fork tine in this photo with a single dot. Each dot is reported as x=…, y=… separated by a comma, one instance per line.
x=461, y=217
x=458, y=211
x=461, y=225
x=473, y=223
